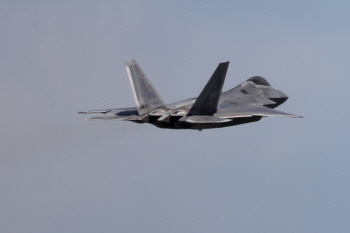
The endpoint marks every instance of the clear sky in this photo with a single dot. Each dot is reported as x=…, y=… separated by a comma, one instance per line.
x=61, y=173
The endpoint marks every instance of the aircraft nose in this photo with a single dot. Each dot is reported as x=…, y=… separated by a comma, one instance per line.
x=282, y=94
x=282, y=97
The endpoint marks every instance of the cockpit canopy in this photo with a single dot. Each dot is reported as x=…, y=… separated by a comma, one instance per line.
x=258, y=80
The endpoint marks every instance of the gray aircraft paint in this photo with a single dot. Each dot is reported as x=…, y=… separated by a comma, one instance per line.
x=146, y=96
x=245, y=103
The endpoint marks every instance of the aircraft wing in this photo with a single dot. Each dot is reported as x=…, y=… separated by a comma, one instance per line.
x=249, y=110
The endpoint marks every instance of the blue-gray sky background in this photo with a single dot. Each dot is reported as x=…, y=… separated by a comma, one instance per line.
x=61, y=173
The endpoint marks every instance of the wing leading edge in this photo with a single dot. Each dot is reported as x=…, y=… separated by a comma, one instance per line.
x=249, y=110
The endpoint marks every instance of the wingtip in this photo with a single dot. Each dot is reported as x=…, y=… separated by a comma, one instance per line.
x=130, y=62
x=295, y=116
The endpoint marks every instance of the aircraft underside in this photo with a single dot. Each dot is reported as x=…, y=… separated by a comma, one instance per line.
x=175, y=124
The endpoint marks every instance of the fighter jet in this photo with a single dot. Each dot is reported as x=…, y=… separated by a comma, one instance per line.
x=248, y=102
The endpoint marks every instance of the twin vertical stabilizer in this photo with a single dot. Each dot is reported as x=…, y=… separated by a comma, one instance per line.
x=146, y=96
x=207, y=101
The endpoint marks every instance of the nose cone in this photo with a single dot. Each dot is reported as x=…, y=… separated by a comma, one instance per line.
x=282, y=94
x=282, y=97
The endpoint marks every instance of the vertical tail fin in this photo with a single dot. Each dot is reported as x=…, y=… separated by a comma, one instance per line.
x=207, y=101
x=146, y=96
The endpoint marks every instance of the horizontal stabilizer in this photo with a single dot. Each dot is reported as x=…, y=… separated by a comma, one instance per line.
x=166, y=117
x=115, y=111
x=109, y=118
x=120, y=118
x=207, y=101
x=143, y=118
x=249, y=110
x=203, y=119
